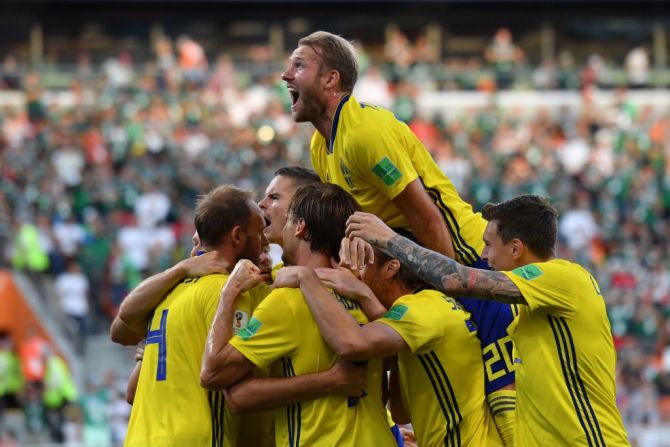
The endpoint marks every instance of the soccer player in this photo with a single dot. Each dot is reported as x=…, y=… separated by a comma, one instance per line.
x=440, y=370
x=278, y=197
x=282, y=336
x=566, y=359
x=378, y=159
x=228, y=221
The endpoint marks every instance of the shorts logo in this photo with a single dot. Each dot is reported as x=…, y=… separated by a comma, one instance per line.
x=396, y=312
x=240, y=319
x=387, y=171
x=528, y=271
x=250, y=329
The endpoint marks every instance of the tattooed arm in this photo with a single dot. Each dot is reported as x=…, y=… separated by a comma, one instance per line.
x=441, y=272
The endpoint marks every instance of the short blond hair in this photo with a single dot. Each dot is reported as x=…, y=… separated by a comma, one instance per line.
x=336, y=53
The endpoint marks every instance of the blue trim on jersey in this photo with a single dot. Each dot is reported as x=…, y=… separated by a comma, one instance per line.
x=567, y=356
x=492, y=319
x=336, y=121
x=444, y=393
x=395, y=431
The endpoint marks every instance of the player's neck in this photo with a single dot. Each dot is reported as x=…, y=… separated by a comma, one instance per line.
x=392, y=293
x=307, y=258
x=324, y=123
x=531, y=258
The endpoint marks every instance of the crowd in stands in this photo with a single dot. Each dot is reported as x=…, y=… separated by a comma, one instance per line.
x=98, y=193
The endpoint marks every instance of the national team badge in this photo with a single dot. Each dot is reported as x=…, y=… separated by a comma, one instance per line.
x=347, y=174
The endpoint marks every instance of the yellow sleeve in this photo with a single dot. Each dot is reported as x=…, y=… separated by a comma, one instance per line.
x=379, y=155
x=416, y=321
x=271, y=332
x=547, y=285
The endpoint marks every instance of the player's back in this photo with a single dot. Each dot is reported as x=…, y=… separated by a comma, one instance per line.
x=374, y=156
x=441, y=376
x=284, y=336
x=171, y=408
x=566, y=390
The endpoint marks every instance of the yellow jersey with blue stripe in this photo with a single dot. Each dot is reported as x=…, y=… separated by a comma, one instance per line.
x=441, y=376
x=566, y=392
x=283, y=336
x=373, y=156
x=170, y=407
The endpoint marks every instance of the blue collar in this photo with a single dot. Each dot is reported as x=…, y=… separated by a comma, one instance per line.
x=336, y=120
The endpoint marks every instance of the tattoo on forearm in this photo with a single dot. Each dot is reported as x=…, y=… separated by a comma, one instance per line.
x=449, y=276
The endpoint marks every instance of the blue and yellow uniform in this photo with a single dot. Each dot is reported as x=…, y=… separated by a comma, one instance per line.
x=373, y=156
x=441, y=376
x=169, y=382
x=283, y=337
x=566, y=393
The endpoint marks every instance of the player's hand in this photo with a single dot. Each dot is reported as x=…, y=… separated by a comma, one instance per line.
x=344, y=282
x=355, y=253
x=370, y=228
x=347, y=378
x=408, y=436
x=210, y=262
x=245, y=275
x=139, y=351
x=289, y=277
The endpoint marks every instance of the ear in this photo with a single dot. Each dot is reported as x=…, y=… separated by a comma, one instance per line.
x=517, y=248
x=301, y=229
x=391, y=268
x=332, y=79
x=236, y=235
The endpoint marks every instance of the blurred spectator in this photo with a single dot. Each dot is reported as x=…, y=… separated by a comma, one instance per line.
x=578, y=227
x=192, y=59
x=11, y=377
x=504, y=56
x=59, y=392
x=72, y=289
x=637, y=67
x=373, y=88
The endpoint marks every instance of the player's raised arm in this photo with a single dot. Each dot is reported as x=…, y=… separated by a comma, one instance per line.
x=441, y=272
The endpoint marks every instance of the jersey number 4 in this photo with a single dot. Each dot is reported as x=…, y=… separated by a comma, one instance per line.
x=157, y=336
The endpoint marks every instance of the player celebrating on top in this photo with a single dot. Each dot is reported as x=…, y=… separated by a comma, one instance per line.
x=383, y=165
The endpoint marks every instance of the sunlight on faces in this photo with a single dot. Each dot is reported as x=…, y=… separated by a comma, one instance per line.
x=254, y=237
x=498, y=255
x=275, y=205
x=291, y=240
x=305, y=82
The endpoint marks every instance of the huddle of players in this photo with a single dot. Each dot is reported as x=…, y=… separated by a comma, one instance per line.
x=258, y=347
x=439, y=376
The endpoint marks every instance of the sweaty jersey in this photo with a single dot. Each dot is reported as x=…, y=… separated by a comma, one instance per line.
x=171, y=408
x=442, y=377
x=373, y=156
x=283, y=336
x=566, y=394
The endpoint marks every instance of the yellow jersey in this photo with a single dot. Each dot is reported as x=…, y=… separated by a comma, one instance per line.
x=373, y=156
x=566, y=394
x=442, y=375
x=171, y=408
x=283, y=336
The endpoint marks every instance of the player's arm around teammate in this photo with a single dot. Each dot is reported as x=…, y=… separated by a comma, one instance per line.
x=130, y=325
x=223, y=367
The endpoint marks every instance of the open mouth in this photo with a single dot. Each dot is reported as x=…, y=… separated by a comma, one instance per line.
x=294, y=95
x=267, y=222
